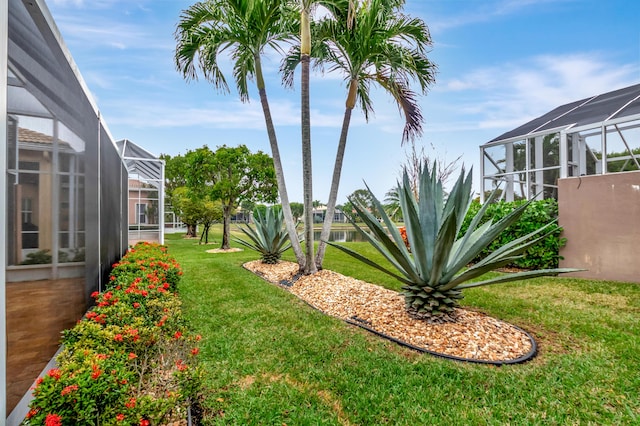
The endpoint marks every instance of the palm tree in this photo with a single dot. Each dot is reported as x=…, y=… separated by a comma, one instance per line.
x=373, y=44
x=244, y=29
x=305, y=121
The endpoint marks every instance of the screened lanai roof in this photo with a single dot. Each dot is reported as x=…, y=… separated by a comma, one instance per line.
x=598, y=109
x=140, y=162
x=35, y=85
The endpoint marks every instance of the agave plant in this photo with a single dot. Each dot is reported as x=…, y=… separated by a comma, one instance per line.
x=269, y=237
x=436, y=268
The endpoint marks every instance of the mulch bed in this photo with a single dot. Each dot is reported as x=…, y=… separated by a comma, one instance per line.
x=473, y=337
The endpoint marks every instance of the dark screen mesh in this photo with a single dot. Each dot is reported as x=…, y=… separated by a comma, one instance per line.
x=586, y=111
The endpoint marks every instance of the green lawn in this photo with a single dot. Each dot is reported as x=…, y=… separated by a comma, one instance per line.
x=270, y=359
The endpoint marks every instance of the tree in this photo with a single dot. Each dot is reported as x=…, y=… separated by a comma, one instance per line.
x=297, y=210
x=304, y=57
x=232, y=175
x=305, y=121
x=244, y=29
x=175, y=172
x=369, y=42
x=211, y=212
x=362, y=197
x=189, y=208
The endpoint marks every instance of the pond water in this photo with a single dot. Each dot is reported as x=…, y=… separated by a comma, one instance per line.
x=341, y=236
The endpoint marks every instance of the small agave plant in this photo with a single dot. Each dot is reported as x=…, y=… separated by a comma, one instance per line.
x=269, y=237
x=436, y=268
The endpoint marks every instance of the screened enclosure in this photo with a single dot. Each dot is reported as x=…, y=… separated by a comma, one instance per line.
x=145, y=193
x=63, y=209
x=592, y=136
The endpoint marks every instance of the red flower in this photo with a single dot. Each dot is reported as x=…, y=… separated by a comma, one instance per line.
x=120, y=417
x=131, y=403
x=53, y=420
x=95, y=294
x=198, y=338
x=55, y=373
x=132, y=355
x=136, y=305
x=181, y=365
x=32, y=413
x=403, y=234
x=118, y=337
x=96, y=372
x=177, y=335
x=69, y=389
x=144, y=422
x=195, y=351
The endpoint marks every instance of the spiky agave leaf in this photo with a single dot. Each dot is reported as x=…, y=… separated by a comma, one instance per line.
x=434, y=271
x=269, y=237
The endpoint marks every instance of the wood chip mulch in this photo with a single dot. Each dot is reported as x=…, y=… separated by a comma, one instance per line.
x=474, y=336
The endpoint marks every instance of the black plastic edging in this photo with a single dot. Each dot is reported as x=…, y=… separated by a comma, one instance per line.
x=519, y=360
x=524, y=358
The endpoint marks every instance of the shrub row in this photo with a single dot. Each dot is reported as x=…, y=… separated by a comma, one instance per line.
x=542, y=255
x=131, y=359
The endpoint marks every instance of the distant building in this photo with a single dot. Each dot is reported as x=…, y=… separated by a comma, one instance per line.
x=320, y=212
x=146, y=193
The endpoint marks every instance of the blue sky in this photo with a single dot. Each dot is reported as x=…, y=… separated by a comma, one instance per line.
x=500, y=64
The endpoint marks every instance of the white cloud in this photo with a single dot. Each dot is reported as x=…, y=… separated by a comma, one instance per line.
x=107, y=33
x=223, y=115
x=510, y=95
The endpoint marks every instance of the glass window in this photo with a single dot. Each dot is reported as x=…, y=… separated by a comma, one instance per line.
x=141, y=213
x=494, y=159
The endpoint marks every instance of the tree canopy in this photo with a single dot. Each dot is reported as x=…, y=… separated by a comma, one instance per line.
x=231, y=175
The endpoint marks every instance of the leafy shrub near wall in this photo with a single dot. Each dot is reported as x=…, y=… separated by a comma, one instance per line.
x=545, y=253
x=131, y=360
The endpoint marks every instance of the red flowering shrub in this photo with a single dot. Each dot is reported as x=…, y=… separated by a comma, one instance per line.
x=403, y=234
x=131, y=359
x=148, y=261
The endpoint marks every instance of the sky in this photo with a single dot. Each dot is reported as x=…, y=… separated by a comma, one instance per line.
x=500, y=64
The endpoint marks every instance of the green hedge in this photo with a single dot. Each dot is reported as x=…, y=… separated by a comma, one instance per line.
x=544, y=254
x=131, y=360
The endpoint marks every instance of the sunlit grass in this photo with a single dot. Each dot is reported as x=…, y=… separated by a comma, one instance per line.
x=271, y=359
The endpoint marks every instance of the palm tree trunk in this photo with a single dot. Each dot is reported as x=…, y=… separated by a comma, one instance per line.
x=277, y=164
x=337, y=171
x=307, y=175
x=310, y=266
x=333, y=193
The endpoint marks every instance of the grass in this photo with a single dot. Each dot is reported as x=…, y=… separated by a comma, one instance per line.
x=272, y=360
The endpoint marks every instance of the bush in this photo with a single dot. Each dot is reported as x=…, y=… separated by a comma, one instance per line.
x=542, y=255
x=131, y=360
x=146, y=261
